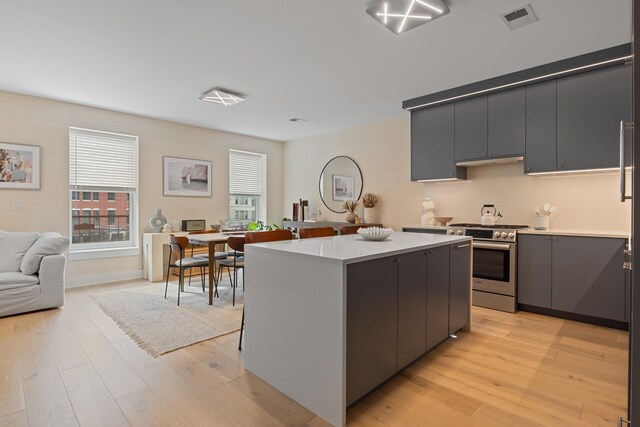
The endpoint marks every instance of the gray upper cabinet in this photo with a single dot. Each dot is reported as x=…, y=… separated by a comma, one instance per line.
x=432, y=144
x=534, y=270
x=588, y=277
x=412, y=306
x=459, y=286
x=506, y=123
x=590, y=107
x=471, y=129
x=541, y=127
x=437, y=296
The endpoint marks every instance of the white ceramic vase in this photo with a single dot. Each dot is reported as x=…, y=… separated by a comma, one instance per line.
x=429, y=209
x=369, y=215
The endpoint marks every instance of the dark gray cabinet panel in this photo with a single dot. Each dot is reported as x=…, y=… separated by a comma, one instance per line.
x=534, y=270
x=540, y=152
x=587, y=276
x=471, y=129
x=412, y=307
x=506, y=123
x=437, y=296
x=372, y=324
x=432, y=143
x=590, y=108
x=459, y=286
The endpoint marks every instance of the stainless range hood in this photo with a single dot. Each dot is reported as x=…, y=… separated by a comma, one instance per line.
x=496, y=161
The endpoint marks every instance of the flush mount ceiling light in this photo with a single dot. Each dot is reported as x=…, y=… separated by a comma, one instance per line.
x=400, y=16
x=219, y=96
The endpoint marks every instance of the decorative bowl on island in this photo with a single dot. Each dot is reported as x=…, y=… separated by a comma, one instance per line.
x=375, y=234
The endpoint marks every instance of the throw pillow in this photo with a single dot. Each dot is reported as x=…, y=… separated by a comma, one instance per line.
x=47, y=244
x=12, y=249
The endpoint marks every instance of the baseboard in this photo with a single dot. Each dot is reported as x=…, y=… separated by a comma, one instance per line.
x=616, y=324
x=99, y=279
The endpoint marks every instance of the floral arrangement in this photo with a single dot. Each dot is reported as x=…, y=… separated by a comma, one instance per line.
x=369, y=200
x=350, y=205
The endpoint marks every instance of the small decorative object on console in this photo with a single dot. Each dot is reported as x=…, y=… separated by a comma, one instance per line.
x=370, y=200
x=157, y=221
x=376, y=234
x=166, y=228
x=350, y=206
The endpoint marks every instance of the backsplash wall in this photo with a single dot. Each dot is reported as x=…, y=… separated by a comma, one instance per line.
x=382, y=149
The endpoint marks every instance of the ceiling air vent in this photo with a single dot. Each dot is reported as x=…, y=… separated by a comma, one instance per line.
x=519, y=17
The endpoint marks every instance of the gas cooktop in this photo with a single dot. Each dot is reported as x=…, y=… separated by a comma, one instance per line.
x=494, y=226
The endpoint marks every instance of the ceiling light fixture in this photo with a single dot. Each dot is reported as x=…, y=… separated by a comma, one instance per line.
x=223, y=97
x=400, y=16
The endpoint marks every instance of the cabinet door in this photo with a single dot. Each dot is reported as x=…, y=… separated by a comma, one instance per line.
x=587, y=276
x=534, y=270
x=437, y=296
x=372, y=324
x=459, y=286
x=590, y=108
x=540, y=152
x=506, y=123
x=412, y=307
x=471, y=129
x=432, y=153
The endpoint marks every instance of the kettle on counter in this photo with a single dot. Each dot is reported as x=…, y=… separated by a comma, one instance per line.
x=487, y=217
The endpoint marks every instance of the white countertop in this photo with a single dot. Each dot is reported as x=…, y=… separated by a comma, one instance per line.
x=576, y=233
x=353, y=248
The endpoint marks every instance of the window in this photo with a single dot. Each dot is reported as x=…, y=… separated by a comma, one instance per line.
x=102, y=166
x=247, y=187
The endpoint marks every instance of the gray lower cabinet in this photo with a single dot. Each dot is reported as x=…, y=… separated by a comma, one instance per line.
x=540, y=127
x=459, y=286
x=578, y=275
x=412, y=307
x=372, y=324
x=590, y=107
x=437, y=328
x=432, y=144
x=534, y=270
x=506, y=123
x=587, y=276
x=471, y=129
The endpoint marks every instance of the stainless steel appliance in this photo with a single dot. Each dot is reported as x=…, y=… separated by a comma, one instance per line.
x=494, y=263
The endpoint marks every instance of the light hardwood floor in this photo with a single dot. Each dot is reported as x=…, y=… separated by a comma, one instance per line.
x=74, y=366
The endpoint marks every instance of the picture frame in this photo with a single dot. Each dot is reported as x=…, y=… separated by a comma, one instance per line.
x=19, y=166
x=343, y=187
x=184, y=177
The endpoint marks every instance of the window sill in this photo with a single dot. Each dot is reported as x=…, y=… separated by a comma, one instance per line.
x=80, y=254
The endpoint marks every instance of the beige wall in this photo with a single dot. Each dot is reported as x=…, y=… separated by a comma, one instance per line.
x=584, y=202
x=43, y=122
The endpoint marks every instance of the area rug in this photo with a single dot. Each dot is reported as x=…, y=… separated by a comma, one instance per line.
x=159, y=326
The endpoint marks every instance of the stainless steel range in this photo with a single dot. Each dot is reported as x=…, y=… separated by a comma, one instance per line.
x=494, y=263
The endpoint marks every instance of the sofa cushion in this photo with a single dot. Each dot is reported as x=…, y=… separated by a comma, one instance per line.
x=12, y=249
x=47, y=244
x=12, y=280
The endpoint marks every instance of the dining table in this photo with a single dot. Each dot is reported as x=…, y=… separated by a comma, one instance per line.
x=211, y=240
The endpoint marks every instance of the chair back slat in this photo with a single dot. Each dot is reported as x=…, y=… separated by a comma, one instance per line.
x=308, y=233
x=267, y=236
x=178, y=244
x=236, y=243
x=350, y=229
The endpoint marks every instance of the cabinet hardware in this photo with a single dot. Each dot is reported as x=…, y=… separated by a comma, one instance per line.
x=548, y=238
x=623, y=179
x=627, y=266
x=623, y=420
x=627, y=251
x=560, y=166
x=490, y=154
x=462, y=246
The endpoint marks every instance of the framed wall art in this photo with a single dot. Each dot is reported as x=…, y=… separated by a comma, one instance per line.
x=186, y=177
x=19, y=166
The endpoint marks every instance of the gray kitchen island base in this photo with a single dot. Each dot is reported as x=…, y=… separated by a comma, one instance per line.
x=330, y=319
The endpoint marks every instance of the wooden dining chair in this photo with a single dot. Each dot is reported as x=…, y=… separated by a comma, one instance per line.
x=218, y=255
x=350, y=229
x=235, y=261
x=179, y=245
x=308, y=233
x=262, y=237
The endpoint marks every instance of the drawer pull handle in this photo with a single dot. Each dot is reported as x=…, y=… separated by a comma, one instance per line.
x=462, y=246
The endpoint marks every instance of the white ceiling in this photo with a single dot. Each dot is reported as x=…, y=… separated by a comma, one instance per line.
x=325, y=61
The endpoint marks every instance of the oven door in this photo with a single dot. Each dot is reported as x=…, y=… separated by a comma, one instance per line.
x=494, y=267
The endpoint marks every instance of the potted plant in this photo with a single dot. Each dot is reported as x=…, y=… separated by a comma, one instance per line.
x=370, y=200
x=350, y=206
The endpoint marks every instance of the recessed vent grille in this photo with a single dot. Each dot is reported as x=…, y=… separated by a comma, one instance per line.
x=519, y=17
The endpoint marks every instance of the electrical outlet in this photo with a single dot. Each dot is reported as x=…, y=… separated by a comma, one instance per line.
x=15, y=205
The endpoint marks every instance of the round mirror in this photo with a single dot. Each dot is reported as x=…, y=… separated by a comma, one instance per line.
x=340, y=180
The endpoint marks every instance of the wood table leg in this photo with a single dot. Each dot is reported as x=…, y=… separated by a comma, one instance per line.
x=212, y=263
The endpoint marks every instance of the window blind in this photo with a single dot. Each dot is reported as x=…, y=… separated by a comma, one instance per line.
x=102, y=160
x=245, y=173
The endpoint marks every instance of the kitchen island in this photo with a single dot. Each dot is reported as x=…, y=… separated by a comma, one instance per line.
x=330, y=319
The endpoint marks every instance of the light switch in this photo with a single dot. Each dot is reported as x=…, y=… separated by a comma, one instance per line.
x=15, y=205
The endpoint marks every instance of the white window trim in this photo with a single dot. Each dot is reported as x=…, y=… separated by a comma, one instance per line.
x=262, y=197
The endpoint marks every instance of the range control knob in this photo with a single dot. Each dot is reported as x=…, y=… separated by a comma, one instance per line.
x=511, y=235
x=496, y=234
x=459, y=232
x=504, y=235
x=450, y=231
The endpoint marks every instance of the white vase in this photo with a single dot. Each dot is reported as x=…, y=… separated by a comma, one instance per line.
x=369, y=215
x=429, y=209
x=542, y=223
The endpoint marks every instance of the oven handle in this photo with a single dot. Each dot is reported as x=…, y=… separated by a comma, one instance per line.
x=505, y=247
